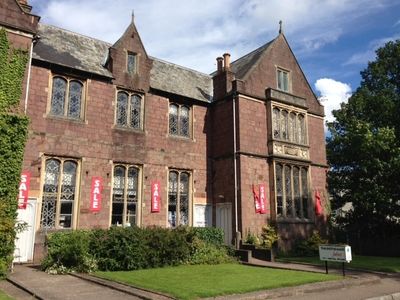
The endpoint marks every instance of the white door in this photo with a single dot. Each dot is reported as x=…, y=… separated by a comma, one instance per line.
x=25, y=240
x=224, y=220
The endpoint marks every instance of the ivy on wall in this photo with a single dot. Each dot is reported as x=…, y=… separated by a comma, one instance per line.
x=13, y=134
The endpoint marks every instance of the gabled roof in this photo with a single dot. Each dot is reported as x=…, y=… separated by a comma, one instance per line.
x=245, y=63
x=165, y=76
x=69, y=49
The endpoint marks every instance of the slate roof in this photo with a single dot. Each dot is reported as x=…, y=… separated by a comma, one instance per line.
x=178, y=80
x=244, y=64
x=70, y=49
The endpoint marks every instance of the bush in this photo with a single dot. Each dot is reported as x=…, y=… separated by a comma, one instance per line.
x=133, y=248
x=310, y=247
x=268, y=237
x=69, y=252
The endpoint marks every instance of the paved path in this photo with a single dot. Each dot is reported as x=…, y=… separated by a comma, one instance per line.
x=62, y=287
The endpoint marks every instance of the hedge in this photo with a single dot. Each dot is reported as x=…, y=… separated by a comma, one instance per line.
x=133, y=248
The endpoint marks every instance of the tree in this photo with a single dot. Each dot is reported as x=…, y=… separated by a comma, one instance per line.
x=13, y=131
x=363, y=150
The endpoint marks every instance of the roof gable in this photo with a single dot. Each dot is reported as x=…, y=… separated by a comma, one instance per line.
x=12, y=15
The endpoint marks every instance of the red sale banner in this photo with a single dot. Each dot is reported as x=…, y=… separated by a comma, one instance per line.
x=155, y=197
x=262, y=199
x=256, y=200
x=24, y=190
x=95, y=194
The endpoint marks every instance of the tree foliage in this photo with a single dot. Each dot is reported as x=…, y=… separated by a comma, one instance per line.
x=13, y=131
x=364, y=149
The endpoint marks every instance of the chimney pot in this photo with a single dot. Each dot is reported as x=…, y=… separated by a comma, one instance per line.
x=219, y=64
x=227, y=63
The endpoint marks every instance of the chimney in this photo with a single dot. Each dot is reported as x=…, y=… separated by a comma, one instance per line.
x=219, y=64
x=227, y=61
x=25, y=6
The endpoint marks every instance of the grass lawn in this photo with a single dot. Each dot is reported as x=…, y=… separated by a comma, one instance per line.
x=3, y=296
x=374, y=263
x=191, y=282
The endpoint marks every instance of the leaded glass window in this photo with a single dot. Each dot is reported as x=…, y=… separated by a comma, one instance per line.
x=179, y=120
x=131, y=63
x=59, y=193
x=125, y=195
x=178, y=198
x=129, y=110
x=288, y=126
x=66, y=98
x=291, y=184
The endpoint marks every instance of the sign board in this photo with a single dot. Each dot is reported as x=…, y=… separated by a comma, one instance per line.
x=155, y=197
x=262, y=198
x=95, y=194
x=23, y=190
x=339, y=253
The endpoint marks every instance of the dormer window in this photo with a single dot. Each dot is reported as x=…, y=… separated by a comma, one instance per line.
x=131, y=63
x=283, y=80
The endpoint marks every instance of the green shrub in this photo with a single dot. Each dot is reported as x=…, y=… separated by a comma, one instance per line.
x=210, y=235
x=133, y=248
x=251, y=239
x=309, y=247
x=69, y=252
x=268, y=237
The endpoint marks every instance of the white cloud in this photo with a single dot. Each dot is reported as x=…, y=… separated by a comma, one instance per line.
x=332, y=93
x=362, y=58
x=177, y=30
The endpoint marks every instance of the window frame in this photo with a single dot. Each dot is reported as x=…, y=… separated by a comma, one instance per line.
x=68, y=80
x=305, y=214
x=180, y=107
x=178, y=197
x=300, y=136
x=128, y=112
x=135, y=69
x=285, y=74
x=75, y=201
x=138, y=216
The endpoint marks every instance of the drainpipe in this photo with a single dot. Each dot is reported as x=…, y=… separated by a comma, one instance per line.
x=29, y=75
x=235, y=164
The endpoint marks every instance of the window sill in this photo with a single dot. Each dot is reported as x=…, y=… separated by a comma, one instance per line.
x=282, y=220
x=129, y=129
x=63, y=118
x=181, y=138
x=290, y=143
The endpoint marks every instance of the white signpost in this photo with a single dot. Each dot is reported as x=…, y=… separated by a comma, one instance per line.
x=337, y=253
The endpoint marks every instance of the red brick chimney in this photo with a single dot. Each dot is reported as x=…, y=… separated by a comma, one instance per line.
x=222, y=80
x=25, y=6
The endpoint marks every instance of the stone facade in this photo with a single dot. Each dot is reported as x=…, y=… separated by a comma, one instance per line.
x=228, y=149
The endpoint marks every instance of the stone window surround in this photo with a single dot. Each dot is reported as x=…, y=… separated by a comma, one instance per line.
x=288, y=77
x=139, y=169
x=178, y=122
x=128, y=117
x=189, y=196
x=75, y=207
x=68, y=78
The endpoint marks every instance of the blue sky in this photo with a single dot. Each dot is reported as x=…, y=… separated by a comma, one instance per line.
x=332, y=39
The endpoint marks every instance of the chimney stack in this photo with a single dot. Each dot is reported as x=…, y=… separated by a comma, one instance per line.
x=219, y=64
x=227, y=63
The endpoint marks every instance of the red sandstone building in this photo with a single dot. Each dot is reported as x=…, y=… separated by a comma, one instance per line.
x=120, y=138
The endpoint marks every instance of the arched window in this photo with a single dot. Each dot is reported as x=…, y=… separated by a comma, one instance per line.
x=284, y=125
x=178, y=198
x=125, y=195
x=291, y=184
x=173, y=119
x=66, y=98
x=292, y=127
x=276, y=123
x=129, y=110
x=301, y=129
x=58, y=96
x=179, y=120
x=59, y=193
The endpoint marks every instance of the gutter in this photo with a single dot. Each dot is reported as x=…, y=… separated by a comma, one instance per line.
x=235, y=167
